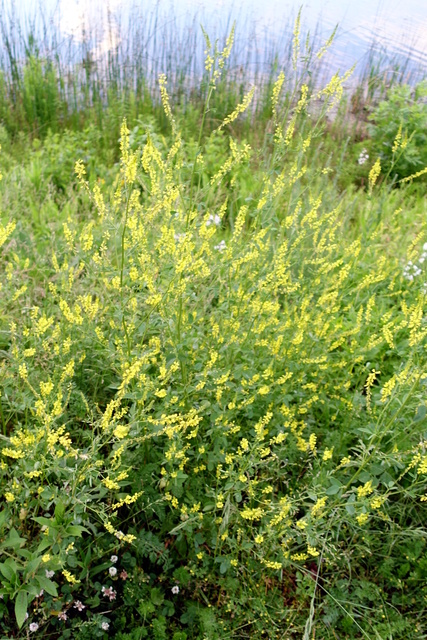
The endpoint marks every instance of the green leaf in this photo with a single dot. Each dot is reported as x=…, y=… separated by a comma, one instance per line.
x=7, y=571
x=156, y=596
x=44, y=544
x=45, y=522
x=99, y=568
x=33, y=565
x=334, y=488
x=12, y=541
x=421, y=413
x=47, y=585
x=75, y=530
x=224, y=566
x=59, y=512
x=21, y=605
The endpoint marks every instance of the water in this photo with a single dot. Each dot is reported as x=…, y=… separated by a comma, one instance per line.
x=391, y=28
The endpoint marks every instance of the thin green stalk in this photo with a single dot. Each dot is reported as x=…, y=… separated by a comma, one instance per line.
x=125, y=329
x=3, y=421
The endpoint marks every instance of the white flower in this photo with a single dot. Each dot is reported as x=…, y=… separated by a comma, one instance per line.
x=41, y=593
x=62, y=616
x=112, y=571
x=179, y=237
x=213, y=220
x=175, y=590
x=34, y=626
x=79, y=605
x=425, y=246
x=105, y=626
x=363, y=157
x=221, y=246
x=49, y=574
x=113, y=559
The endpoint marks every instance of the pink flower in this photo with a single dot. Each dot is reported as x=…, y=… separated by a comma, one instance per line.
x=79, y=605
x=109, y=593
x=124, y=575
x=62, y=616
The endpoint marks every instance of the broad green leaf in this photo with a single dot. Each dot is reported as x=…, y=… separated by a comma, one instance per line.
x=12, y=541
x=47, y=585
x=59, y=511
x=21, y=605
x=7, y=571
x=421, y=413
x=45, y=522
x=75, y=530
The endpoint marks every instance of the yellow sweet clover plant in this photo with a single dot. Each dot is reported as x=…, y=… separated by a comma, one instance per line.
x=226, y=391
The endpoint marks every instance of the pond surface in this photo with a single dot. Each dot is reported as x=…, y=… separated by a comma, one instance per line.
x=393, y=29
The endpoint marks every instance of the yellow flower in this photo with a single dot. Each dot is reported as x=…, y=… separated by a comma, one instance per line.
x=365, y=490
x=9, y=496
x=69, y=577
x=362, y=518
x=327, y=454
x=121, y=431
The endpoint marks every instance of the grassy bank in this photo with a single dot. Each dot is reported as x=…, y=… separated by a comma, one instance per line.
x=212, y=361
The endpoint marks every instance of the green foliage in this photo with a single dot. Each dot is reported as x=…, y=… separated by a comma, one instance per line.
x=212, y=370
x=399, y=130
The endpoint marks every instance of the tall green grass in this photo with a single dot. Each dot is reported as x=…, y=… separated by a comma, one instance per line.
x=51, y=81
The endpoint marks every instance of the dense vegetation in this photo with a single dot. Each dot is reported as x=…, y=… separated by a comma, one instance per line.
x=212, y=359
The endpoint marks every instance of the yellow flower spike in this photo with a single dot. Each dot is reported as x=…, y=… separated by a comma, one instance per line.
x=124, y=142
x=69, y=577
x=296, y=41
x=397, y=140
x=327, y=454
x=6, y=231
x=327, y=44
x=121, y=431
x=277, y=87
x=80, y=170
x=373, y=175
x=362, y=518
x=414, y=175
x=166, y=102
x=241, y=108
x=365, y=490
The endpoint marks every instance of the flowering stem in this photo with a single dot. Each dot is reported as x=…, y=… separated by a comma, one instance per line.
x=3, y=422
x=122, y=266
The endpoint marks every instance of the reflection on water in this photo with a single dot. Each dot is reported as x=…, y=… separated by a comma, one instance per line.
x=392, y=26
